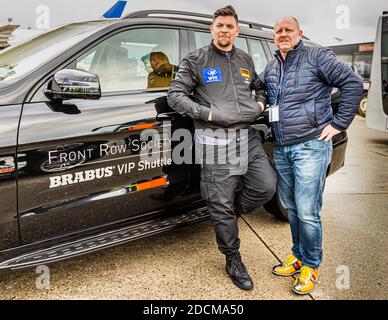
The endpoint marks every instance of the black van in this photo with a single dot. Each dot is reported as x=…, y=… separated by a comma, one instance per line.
x=74, y=104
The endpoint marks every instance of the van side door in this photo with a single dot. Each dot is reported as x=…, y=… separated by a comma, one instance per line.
x=88, y=165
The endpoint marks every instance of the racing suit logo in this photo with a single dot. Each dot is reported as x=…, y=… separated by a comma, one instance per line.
x=245, y=73
x=211, y=75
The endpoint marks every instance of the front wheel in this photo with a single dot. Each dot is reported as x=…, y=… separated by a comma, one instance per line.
x=275, y=208
x=362, y=106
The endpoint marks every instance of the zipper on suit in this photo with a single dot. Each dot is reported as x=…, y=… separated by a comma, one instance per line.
x=234, y=87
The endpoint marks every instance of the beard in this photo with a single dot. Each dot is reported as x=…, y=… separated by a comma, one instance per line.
x=223, y=42
x=285, y=46
x=286, y=43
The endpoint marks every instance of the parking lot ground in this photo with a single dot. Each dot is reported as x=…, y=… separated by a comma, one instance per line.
x=185, y=263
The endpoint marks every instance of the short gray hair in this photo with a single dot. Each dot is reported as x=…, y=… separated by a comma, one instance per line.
x=289, y=17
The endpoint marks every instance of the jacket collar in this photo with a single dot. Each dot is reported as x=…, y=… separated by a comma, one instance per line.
x=293, y=53
x=224, y=53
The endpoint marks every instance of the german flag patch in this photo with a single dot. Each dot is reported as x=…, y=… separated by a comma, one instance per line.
x=245, y=73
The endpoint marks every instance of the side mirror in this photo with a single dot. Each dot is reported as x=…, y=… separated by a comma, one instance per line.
x=74, y=84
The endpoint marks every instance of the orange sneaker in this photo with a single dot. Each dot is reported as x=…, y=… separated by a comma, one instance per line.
x=288, y=268
x=305, y=282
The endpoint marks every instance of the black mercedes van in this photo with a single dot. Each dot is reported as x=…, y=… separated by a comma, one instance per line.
x=76, y=172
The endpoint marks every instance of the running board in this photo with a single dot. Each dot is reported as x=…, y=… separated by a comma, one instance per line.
x=103, y=240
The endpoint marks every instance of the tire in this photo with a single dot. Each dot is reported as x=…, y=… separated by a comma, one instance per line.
x=275, y=208
x=362, y=106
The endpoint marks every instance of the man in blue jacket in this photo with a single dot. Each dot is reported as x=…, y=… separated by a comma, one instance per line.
x=299, y=82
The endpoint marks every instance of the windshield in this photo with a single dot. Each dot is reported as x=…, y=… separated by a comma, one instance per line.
x=26, y=57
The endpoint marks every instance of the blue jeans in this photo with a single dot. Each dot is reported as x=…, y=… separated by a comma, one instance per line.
x=301, y=170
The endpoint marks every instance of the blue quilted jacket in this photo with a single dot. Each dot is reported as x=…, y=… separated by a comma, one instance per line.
x=305, y=96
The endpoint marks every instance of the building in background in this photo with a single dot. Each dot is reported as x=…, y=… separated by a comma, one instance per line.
x=10, y=34
x=6, y=35
x=359, y=57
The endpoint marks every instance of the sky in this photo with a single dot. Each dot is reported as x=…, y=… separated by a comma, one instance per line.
x=325, y=22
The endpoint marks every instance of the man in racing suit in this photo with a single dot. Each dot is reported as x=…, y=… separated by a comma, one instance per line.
x=221, y=80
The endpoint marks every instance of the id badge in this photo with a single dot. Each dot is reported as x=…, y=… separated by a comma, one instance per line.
x=274, y=113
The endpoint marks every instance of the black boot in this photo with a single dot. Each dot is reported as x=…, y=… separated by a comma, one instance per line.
x=237, y=272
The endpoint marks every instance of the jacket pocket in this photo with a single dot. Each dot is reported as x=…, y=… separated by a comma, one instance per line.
x=207, y=180
x=224, y=118
x=250, y=110
x=316, y=144
x=309, y=108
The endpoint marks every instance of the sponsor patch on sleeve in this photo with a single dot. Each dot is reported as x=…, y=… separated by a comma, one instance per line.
x=245, y=73
x=211, y=75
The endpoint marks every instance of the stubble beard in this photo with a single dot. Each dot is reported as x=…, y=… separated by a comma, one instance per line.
x=285, y=46
x=224, y=43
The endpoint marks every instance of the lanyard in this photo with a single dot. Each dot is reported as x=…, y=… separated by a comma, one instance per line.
x=281, y=81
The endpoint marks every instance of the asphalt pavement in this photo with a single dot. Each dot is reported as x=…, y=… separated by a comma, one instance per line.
x=185, y=263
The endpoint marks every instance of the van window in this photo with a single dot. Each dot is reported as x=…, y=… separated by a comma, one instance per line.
x=272, y=47
x=134, y=60
x=258, y=55
x=203, y=39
